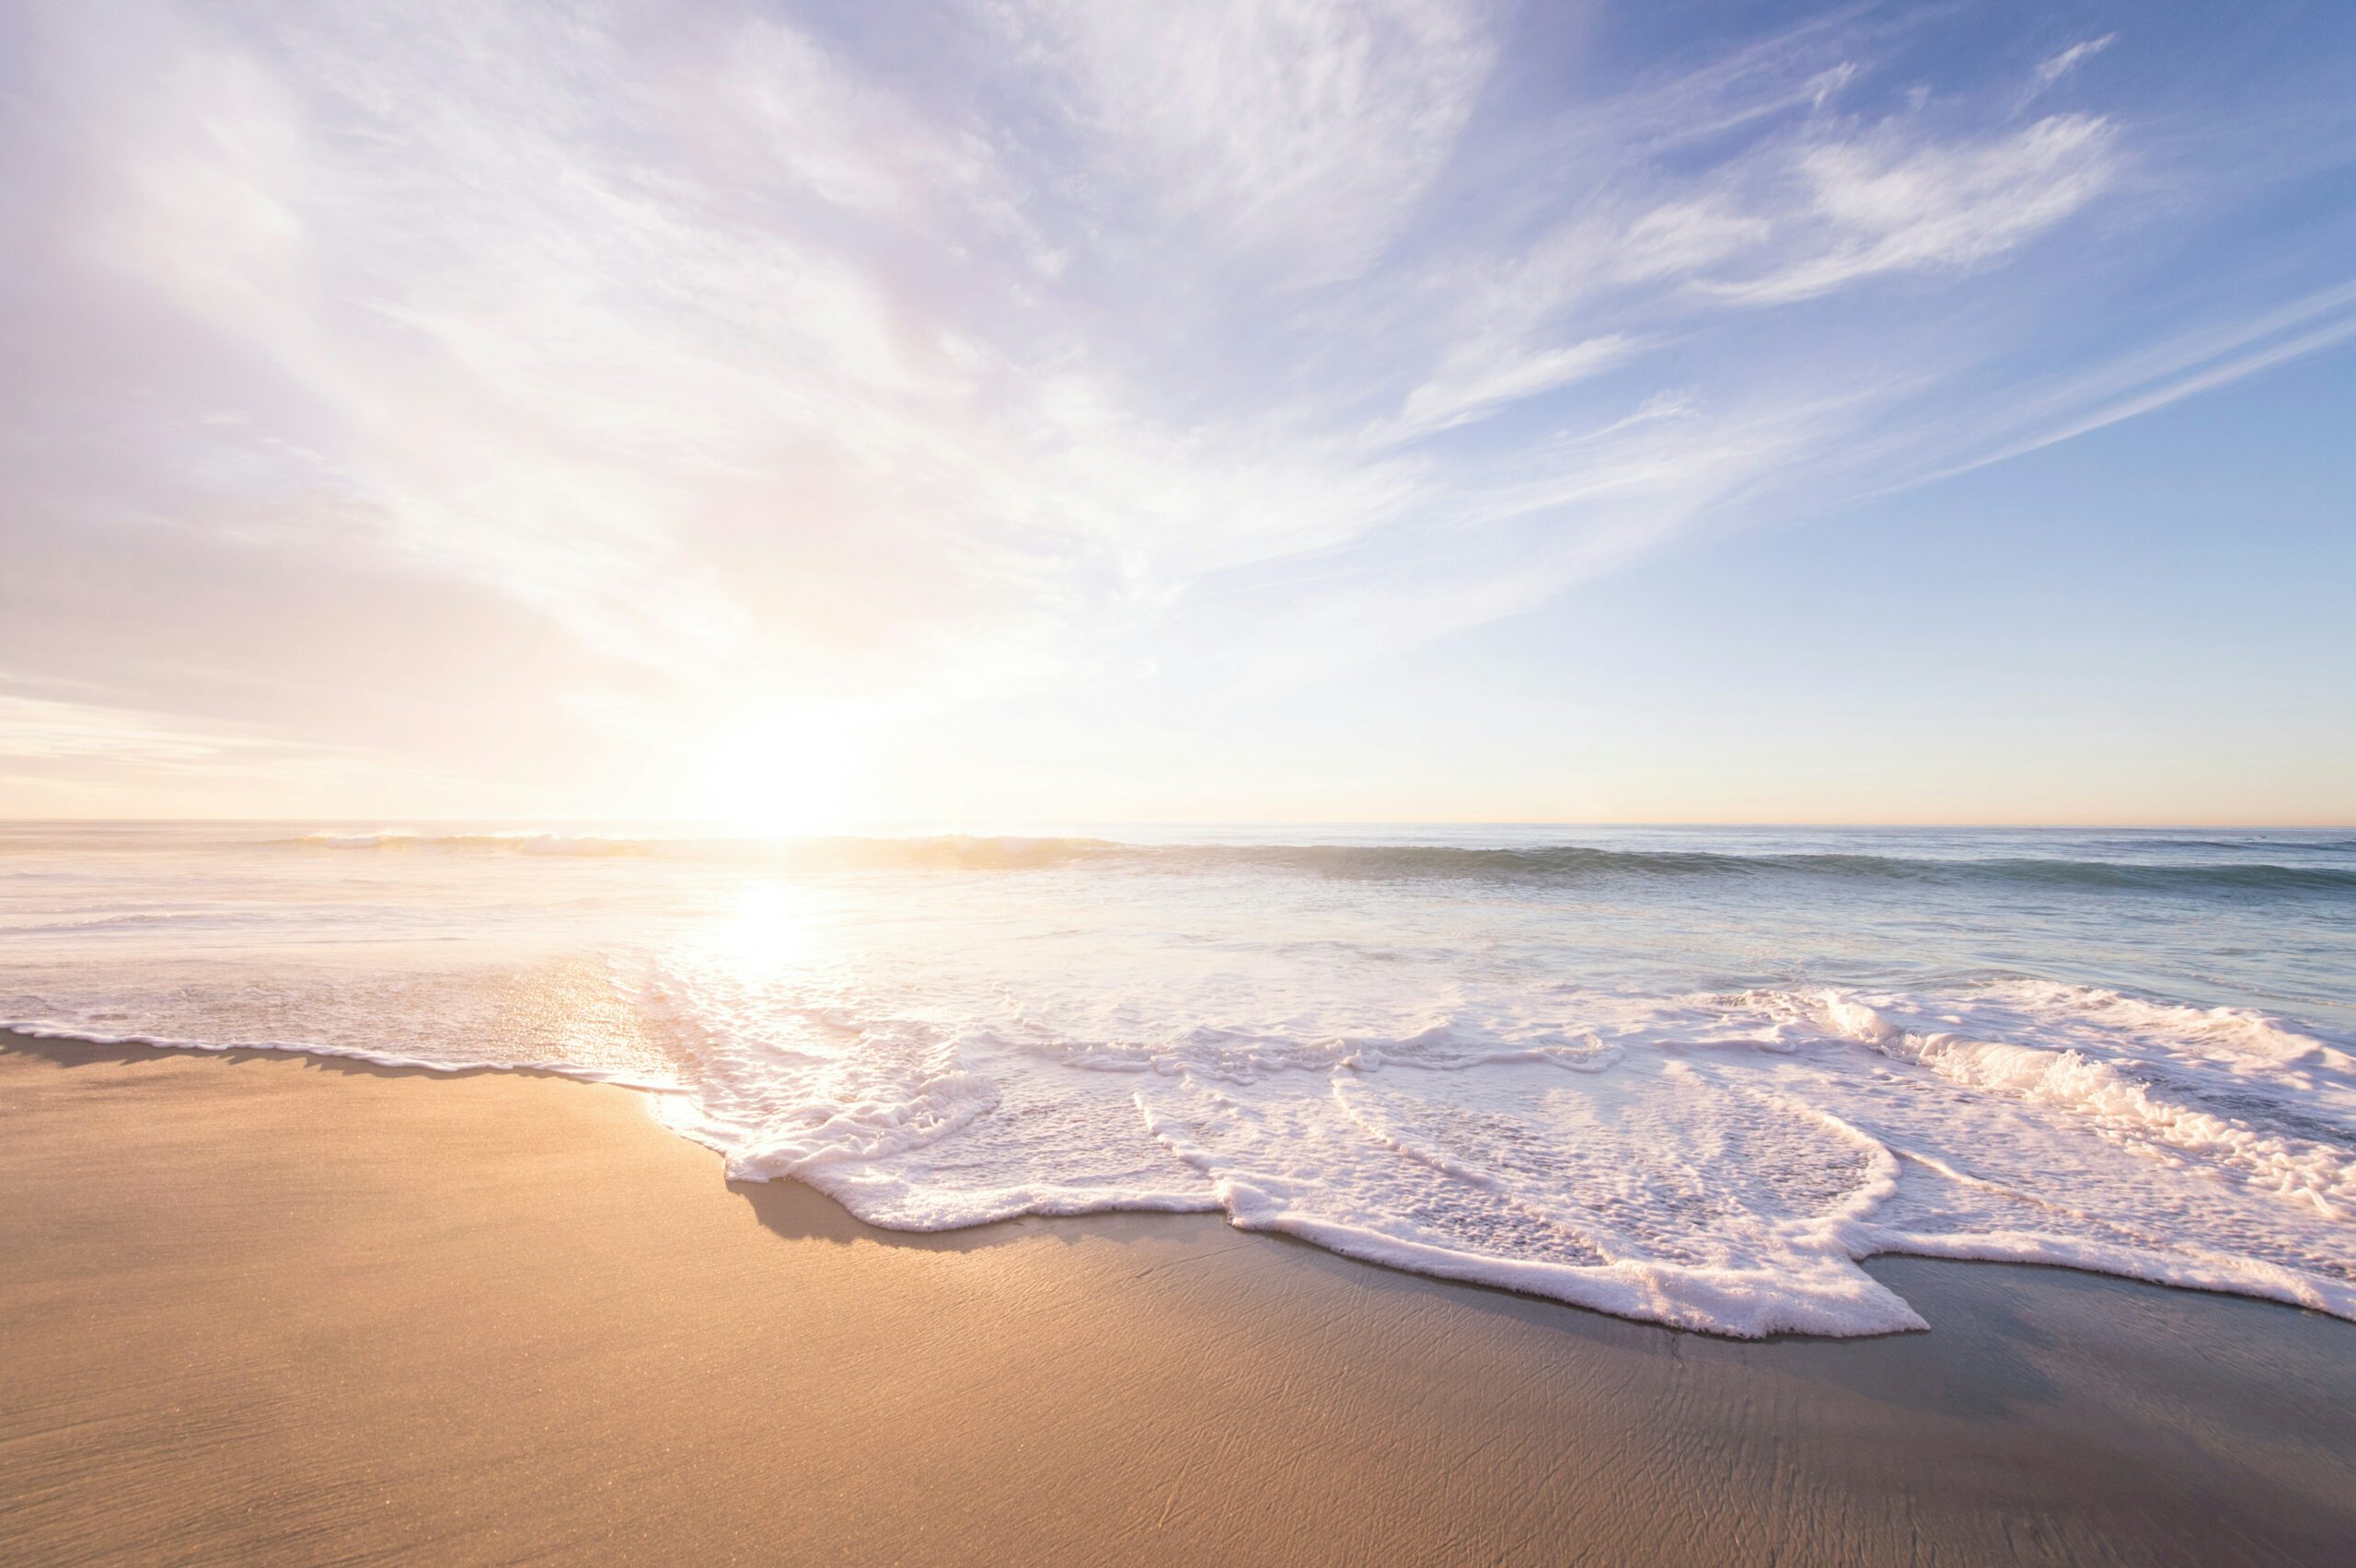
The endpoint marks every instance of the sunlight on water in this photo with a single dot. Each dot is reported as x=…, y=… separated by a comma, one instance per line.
x=1685, y=1076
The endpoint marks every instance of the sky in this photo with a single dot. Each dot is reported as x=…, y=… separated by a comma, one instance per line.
x=1049, y=412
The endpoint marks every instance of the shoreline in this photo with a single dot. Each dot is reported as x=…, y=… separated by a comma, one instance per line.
x=266, y=1307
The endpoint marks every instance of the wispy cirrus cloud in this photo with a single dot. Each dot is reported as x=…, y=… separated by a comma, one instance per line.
x=63, y=757
x=747, y=354
x=2055, y=66
x=1297, y=138
x=2186, y=365
x=1885, y=202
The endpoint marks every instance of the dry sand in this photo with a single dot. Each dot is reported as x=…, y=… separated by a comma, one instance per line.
x=277, y=1309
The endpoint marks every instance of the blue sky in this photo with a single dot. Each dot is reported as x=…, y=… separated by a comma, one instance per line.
x=1022, y=412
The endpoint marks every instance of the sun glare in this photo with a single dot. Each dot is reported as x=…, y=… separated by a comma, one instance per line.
x=766, y=928
x=781, y=774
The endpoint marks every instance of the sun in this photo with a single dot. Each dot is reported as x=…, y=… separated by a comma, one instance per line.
x=781, y=774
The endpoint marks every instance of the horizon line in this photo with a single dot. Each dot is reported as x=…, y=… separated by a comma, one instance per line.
x=864, y=829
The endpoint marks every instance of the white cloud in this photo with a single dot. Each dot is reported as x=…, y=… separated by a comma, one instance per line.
x=1480, y=377
x=36, y=729
x=2053, y=70
x=2152, y=378
x=1883, y=203
x=1299, y=132
x=756, y=362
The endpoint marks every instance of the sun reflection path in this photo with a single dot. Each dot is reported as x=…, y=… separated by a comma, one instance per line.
x=771, y=926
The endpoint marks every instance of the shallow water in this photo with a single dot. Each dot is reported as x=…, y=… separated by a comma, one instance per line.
x=1686, y=1075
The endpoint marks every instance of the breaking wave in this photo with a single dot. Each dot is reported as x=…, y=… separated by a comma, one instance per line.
x=1386, y=861
x=1689, y=1077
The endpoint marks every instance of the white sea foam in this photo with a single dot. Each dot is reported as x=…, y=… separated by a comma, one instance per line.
x=1514, y=1083
x=1714, y=1167
x=2105, y=1097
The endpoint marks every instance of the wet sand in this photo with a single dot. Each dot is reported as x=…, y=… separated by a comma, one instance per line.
x=263, y=1308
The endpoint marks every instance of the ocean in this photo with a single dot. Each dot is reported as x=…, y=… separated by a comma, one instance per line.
x=1687, y=1075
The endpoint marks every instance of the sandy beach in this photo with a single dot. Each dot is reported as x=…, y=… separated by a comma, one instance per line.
x=285, y=1309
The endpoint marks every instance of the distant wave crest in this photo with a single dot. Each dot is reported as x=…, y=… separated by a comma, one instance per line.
x=1415, y=861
